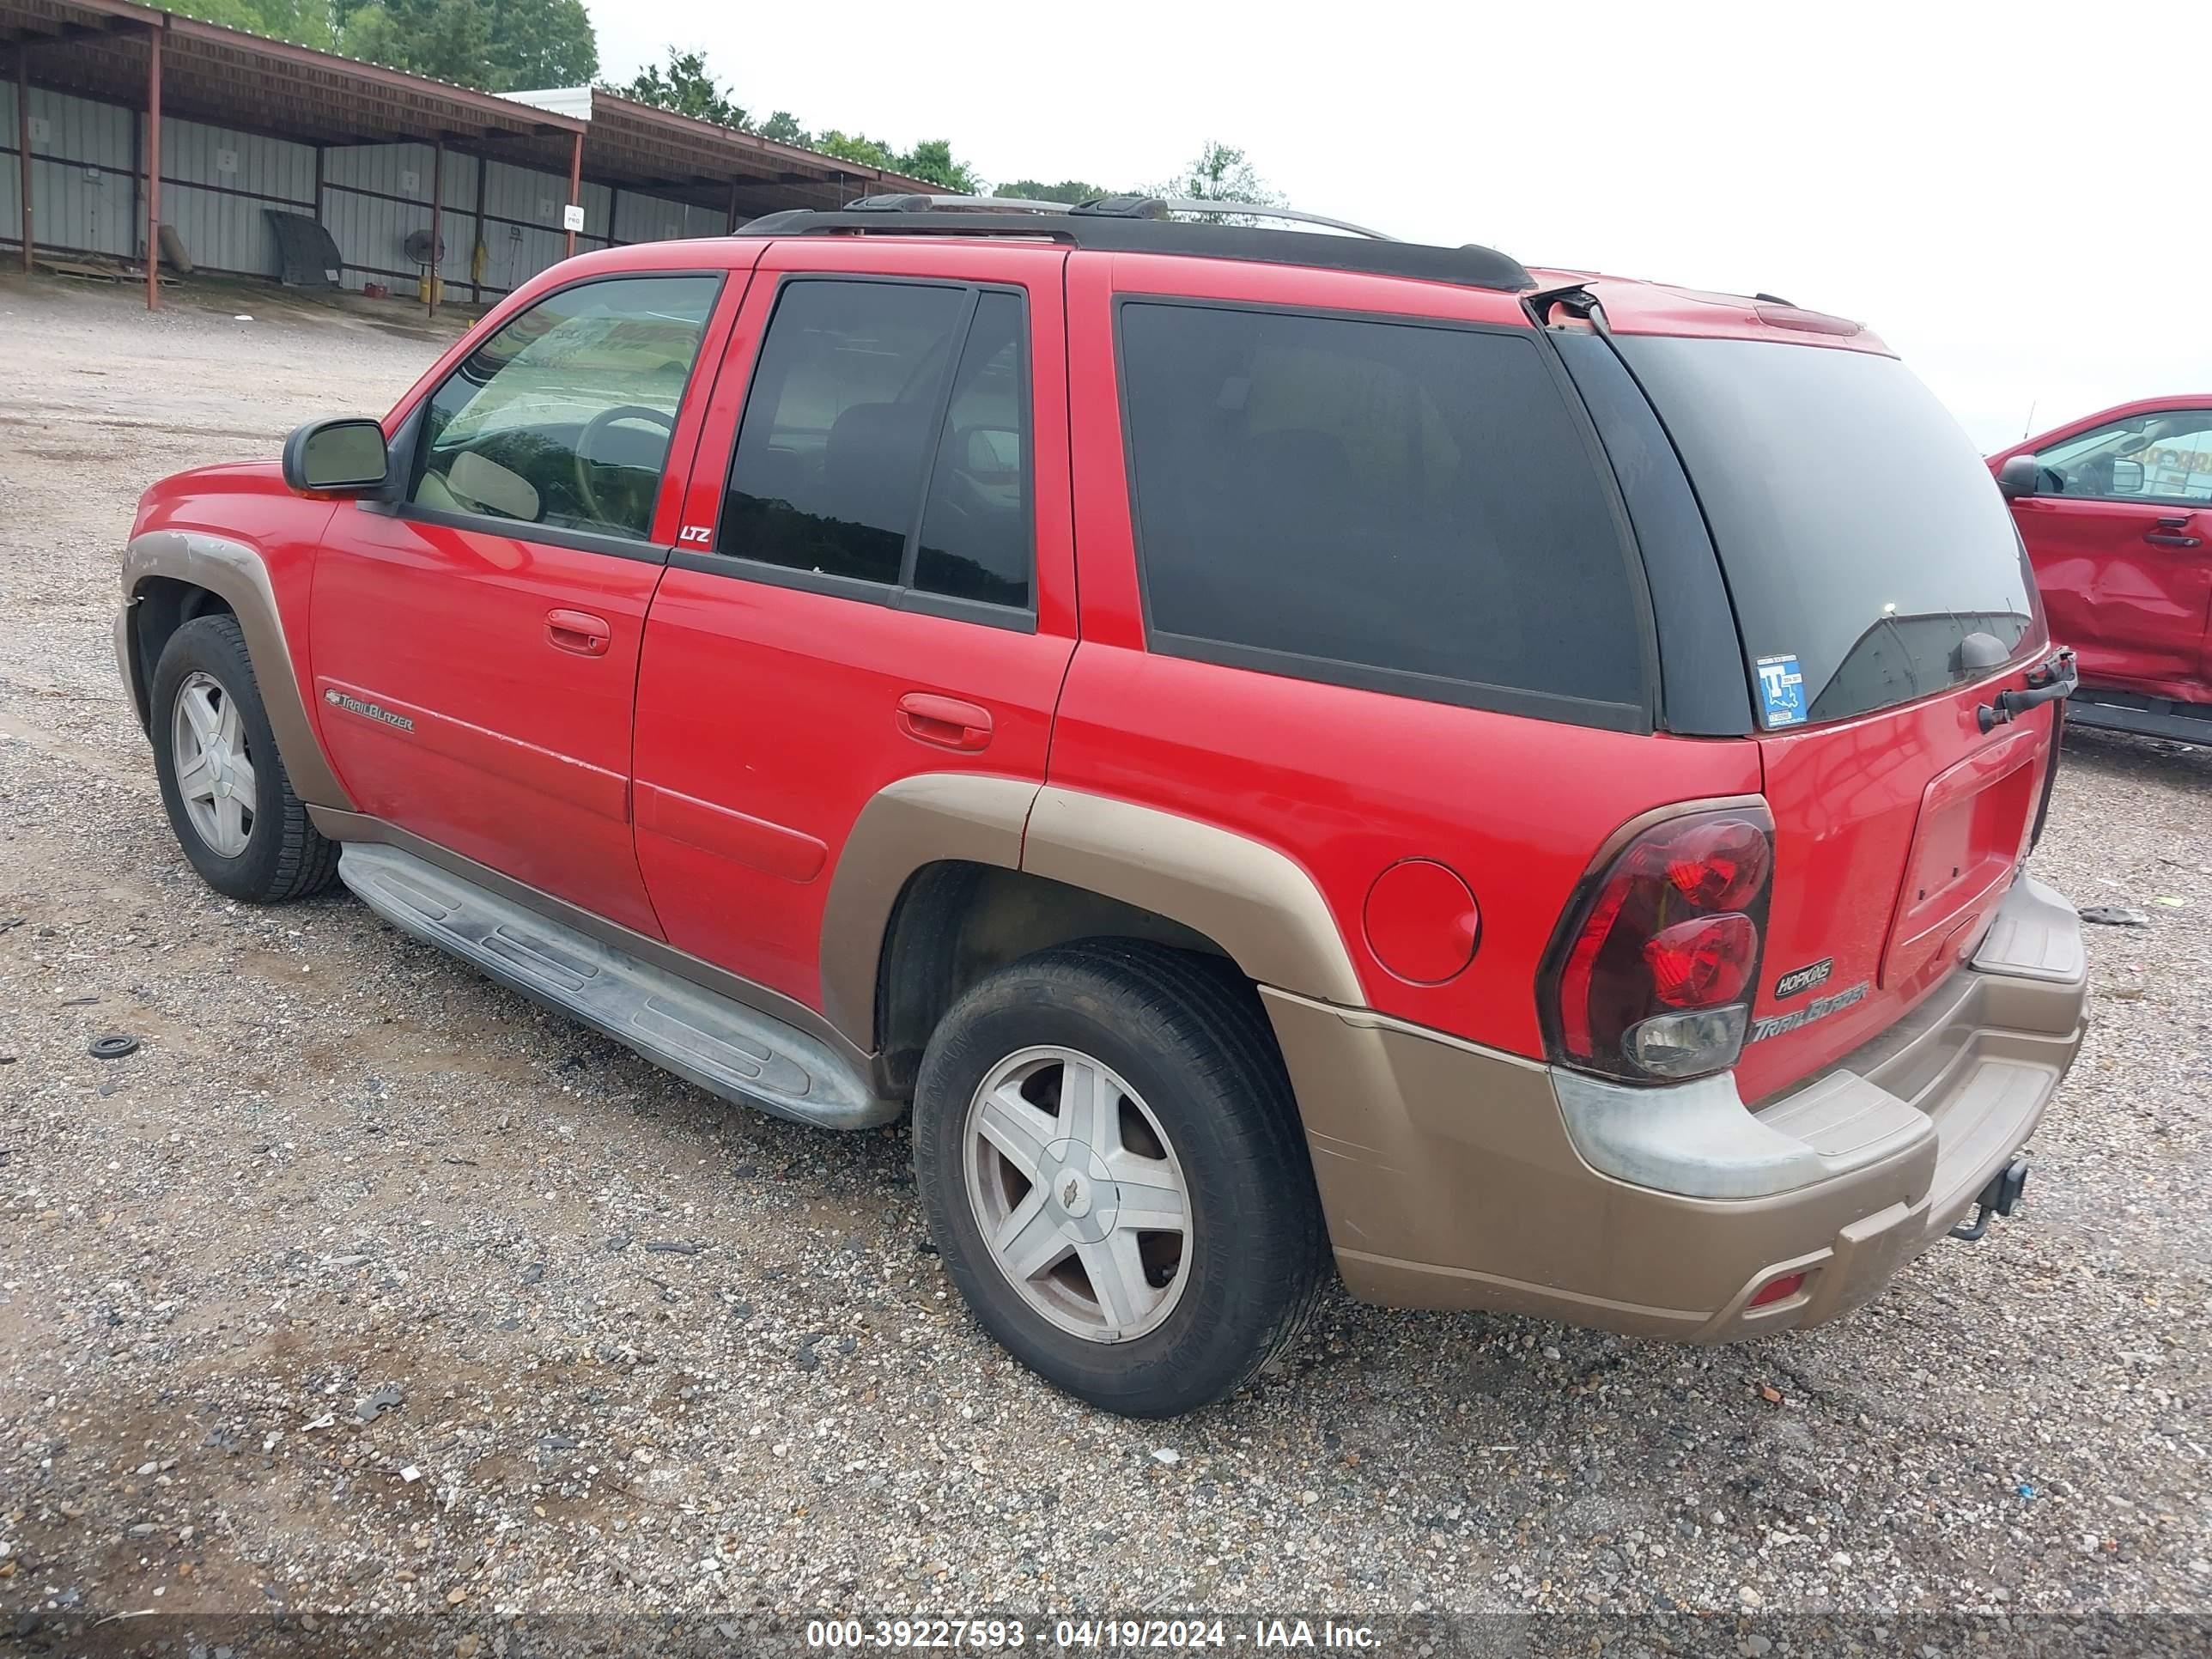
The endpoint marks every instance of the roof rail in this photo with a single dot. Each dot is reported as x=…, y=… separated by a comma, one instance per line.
x=1114, y=207
x=1140, y=224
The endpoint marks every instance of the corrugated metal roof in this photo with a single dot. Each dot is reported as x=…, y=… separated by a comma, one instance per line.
x=99, y=49
x=659, y=149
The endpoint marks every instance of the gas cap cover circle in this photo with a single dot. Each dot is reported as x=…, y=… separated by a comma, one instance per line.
x=1422, y=921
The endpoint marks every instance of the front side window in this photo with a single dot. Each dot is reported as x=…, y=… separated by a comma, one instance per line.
x=2165, y=456
x=562, y=417
x=1405, y=507
x=886, y=441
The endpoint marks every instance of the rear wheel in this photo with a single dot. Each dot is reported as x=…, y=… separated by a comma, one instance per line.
x=1110, y=1158
x=223, y=783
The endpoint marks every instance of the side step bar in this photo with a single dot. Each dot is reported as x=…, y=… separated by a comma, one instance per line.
x=2146, y=717
x=724, y=1046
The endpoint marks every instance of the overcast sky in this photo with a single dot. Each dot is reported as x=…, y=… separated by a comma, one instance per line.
x=1986, y=187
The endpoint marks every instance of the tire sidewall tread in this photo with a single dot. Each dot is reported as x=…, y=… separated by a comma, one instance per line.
x=1187, y=1033
x=286, y=857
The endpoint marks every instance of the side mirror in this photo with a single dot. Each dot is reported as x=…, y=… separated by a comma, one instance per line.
x=2020, y=476
x=336, y=457
x=2127, y=477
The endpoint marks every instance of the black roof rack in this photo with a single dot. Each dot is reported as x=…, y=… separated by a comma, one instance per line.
x=1137, y=224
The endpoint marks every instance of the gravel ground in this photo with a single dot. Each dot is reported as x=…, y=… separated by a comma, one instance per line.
x=366, y=1285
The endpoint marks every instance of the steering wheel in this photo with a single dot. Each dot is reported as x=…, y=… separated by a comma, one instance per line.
x=587, y=491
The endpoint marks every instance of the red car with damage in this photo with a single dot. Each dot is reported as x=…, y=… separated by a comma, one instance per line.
x=2116, y=509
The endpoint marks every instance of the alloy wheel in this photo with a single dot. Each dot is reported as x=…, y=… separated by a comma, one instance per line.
x=215, y=775
x=1082, y=1203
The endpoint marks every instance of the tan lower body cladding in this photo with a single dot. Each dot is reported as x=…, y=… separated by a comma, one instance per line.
x=1451, y=1179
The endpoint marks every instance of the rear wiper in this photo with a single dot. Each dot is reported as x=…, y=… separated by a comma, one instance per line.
x=2054, y=677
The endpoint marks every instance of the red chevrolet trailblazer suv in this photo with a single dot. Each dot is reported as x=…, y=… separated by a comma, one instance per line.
x=1268, y=742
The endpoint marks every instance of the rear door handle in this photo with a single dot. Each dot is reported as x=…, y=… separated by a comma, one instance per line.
x=579, y=631
x=945, y=721
x=2168, y=533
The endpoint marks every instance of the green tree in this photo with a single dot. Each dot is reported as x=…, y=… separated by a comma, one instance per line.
x=1070, y=191
x=449, y=39
x=931, y=162
x=856, y=147
x=687, y=87
x=1220, y=174
x=784, y=127
x=498, y=45
x=303, y=22
x=686, y=84
x=540, y=43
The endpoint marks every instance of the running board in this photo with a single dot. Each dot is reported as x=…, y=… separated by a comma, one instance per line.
x=724, y=1046
x=2145, y=717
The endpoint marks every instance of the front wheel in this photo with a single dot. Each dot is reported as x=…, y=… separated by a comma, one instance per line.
x=1113, y=1170
x=223, y=784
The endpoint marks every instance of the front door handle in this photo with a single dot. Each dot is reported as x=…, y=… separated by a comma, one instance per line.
x=579, y=631
x=2169, y=533
x=945, y=721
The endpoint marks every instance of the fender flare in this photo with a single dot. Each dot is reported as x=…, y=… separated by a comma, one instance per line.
x=1251, y=899
x=233, y=572
x=925, y=818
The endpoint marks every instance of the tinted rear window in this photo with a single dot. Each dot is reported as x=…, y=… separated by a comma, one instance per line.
x=849, y=413
x=1404, y=508
x=839, y=427
x=1862, y=537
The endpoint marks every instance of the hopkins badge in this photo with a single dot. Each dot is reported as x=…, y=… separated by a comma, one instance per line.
x=1798, y=980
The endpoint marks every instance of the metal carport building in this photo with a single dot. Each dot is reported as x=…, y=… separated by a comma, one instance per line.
x=116, y=118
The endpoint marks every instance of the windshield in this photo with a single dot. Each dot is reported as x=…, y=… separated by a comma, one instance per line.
x=1862, y=539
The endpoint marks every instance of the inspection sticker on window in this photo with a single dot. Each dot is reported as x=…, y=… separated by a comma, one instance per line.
x=1781, y=691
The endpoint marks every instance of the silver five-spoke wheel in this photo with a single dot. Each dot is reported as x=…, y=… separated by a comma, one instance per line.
x=215, y=775
x=1081, y=1200
x=1107, y=1148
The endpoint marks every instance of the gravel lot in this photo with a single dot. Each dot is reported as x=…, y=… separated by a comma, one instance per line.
x=636, y=1351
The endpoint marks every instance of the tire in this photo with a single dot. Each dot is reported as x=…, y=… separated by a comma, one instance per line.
x=1187, y=1068
x=265, y=853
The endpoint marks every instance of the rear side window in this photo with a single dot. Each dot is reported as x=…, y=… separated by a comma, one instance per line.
x=885, y=442
x=975, y=529
x=1404, y=507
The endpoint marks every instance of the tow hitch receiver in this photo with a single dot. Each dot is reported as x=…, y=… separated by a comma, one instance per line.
x=1996, y=1199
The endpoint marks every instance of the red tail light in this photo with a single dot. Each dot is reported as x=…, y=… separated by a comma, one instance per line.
x=1654, y=970
x=1702, y=962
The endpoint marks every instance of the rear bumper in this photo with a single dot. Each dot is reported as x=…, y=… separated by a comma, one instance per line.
x=1456, y=1176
